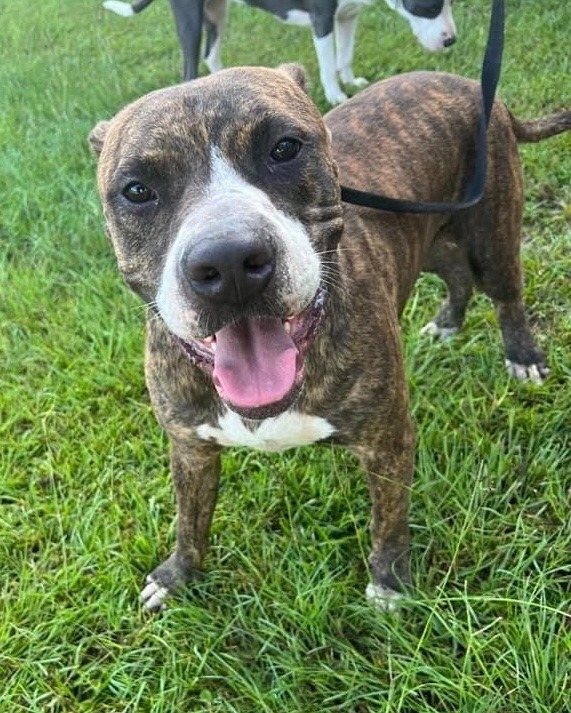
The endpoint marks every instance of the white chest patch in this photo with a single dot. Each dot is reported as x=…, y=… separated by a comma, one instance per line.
x=287, y=430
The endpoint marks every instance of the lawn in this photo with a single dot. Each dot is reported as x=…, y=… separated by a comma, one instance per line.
x=279, y=623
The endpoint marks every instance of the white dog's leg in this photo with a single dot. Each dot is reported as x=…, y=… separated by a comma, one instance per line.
x=345, y=27
x=325, y=49
x=215, y=16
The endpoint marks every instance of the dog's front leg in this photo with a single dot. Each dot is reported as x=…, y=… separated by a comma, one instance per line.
x=195, y=469
x=389, y=465
x=345, y=28
x=324, y=43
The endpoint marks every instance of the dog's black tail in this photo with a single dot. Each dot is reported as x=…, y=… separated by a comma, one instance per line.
x=126, y=9
x=531, y=130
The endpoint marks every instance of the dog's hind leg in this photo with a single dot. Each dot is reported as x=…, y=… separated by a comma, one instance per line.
x=494, y=227
x=449, y=261
x=502, y=281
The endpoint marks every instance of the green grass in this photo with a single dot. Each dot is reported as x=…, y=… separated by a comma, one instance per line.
x=279, y=622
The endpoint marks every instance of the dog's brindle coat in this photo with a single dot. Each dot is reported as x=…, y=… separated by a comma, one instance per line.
x=221, y=197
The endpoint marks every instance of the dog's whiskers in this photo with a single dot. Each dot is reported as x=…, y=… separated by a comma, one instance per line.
x=332, y=280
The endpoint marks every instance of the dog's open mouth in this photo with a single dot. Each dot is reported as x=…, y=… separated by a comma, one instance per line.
x=257, y=364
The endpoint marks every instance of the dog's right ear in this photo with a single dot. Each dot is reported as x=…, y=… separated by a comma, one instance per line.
x=295, y=71
x=97, y=136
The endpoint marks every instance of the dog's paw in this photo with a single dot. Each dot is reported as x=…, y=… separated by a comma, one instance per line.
x=357, y=82
x=435, y=330
x=213, y=63
x=335, y=96
x=382, y=598
x=154, y=595
x=536, y=373
x=121, y=8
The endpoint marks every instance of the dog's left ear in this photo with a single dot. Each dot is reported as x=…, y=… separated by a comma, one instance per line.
x=97, y=136
x=295, y=71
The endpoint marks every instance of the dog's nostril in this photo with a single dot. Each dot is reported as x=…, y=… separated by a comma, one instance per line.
x=203, y=273
x=449, y=41
x=258, y=263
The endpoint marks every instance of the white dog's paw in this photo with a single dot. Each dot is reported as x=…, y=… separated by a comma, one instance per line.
x=335, y=96
x=154, y=595
x=382, y=598
x=333, y=92
x=213, y=63
x=357, y=82
x=441, y=332
x=537, y=373
x=121, y=8
x=350, y=80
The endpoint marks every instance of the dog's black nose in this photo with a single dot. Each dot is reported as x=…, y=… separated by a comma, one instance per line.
x=449, y=41
x=230, y=270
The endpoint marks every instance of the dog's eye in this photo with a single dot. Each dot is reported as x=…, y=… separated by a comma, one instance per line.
x=285, y=150
x=136, y=192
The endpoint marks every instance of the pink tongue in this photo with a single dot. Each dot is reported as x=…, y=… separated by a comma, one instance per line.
x=254, y=363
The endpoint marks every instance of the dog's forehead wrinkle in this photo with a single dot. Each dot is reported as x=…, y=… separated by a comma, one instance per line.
x=256, y=108
x=218, y=102
x=255, y=85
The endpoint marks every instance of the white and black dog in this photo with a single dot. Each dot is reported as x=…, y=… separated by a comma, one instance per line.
x=333, y=24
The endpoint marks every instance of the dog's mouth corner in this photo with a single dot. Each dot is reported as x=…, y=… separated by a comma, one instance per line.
x=257, y=363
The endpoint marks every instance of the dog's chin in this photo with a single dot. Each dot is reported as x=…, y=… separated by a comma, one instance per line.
x=259, y=413
x=431, y=34
x=431, y=44
x=256, y=364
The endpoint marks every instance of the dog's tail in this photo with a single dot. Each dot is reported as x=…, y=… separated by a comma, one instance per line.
x=126, y=9
x=537, y=129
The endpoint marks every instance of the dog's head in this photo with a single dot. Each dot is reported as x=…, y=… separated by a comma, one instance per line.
x=222, y=203
x=430, y=20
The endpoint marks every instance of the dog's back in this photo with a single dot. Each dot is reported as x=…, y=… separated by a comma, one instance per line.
x=413, y=136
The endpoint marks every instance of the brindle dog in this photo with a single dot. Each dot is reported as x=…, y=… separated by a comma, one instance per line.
x=273, y=309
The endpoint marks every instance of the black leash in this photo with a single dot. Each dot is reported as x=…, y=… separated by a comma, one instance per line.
x=491, y=68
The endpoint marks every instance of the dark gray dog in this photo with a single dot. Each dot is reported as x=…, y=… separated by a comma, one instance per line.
x=273, y=309
x=333, y=24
